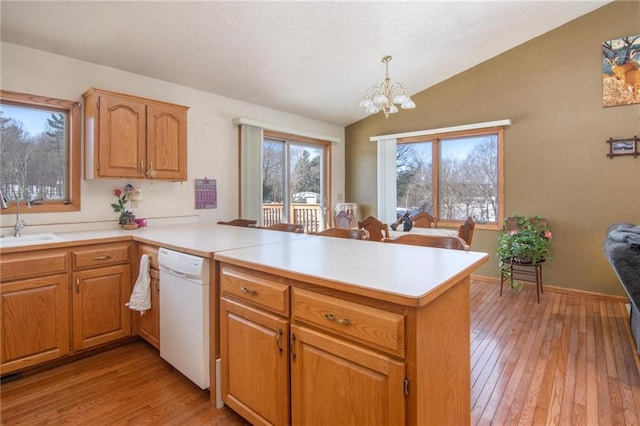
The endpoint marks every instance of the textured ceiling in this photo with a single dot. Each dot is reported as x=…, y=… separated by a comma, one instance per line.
x=313, y=59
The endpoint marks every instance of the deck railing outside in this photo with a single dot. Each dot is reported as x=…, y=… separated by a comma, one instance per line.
x=305, y=214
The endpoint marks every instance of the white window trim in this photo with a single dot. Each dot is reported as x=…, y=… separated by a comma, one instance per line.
x=277, y=128
x=474, y=126
x=387, y=177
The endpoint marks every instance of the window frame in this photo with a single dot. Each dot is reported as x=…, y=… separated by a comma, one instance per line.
x=73, y=151
x=435, y=140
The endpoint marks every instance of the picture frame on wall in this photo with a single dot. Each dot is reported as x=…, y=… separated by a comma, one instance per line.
x=620, y=147
x=621, y=71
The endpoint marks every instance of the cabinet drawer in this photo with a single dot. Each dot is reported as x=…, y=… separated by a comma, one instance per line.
x=25, y=265
x=100, y=255
x=257, y=290
x=152, y=252
x=382, y=329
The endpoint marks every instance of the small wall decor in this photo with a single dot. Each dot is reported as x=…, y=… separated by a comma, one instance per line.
x=621, y=71
x=206, y=194
x=619, y=147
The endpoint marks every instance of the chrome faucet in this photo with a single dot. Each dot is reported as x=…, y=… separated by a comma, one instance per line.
x=19, y=223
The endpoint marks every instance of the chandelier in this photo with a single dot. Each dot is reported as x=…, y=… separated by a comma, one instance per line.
x=386, y=96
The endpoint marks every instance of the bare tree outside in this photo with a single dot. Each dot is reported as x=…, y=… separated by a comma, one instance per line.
x=299, y=201
x=272, y=171
x=33, y=167
x=414, y=177
x=467, y=178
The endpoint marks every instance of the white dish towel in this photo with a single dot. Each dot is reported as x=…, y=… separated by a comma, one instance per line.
x=141, y=295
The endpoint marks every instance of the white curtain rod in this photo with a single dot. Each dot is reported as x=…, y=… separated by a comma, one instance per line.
x=268, y=126
x=473, y=126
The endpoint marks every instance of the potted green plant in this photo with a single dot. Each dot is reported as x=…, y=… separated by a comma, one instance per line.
x=525, y=241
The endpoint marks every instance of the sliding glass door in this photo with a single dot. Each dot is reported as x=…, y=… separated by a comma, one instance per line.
x=294, y=183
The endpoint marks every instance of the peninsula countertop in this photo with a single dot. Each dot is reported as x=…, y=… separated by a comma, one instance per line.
x=408, y=275
x=198, y=239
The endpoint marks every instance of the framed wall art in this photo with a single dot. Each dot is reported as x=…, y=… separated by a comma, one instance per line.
x=621, y=71
x=618, y=147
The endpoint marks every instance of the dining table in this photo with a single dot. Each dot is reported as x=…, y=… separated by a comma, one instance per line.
x=426, y=231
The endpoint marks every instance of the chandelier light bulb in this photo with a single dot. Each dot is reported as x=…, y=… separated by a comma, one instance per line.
x=372, y=109
x=408, y=104
x=380, y=97
x=400, y=98
x=365, y=102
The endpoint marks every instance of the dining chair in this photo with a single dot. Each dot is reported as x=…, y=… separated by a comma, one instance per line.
x=343, y=220
x=286, y=227
x=354, y=234
x=424, y=220
x=377, y=230
x=466, y=230
x=437, y=241
x=238, y=222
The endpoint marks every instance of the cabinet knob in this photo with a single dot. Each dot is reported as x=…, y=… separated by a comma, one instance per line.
x=246, y=290
x=77, y=285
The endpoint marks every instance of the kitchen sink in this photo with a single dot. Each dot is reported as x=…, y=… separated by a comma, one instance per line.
x=23, y=240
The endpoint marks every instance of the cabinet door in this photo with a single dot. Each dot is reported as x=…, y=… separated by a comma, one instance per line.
x=335, y=382
x=121, y=137
x=99, y=311
x=255, y=363
x=149, y=323
x=166, y=142
x=34, y=321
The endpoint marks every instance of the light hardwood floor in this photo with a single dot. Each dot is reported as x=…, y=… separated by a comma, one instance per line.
x=566, y=361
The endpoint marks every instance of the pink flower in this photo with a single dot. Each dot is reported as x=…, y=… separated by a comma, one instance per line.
x=117, y=192
x=512, y=232
x=548, y=235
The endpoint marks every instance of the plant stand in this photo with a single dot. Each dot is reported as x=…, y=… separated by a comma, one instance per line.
x=522, y=268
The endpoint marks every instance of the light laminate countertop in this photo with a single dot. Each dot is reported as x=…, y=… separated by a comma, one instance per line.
x=409, y=275
x=404, y=274
x=197, y=238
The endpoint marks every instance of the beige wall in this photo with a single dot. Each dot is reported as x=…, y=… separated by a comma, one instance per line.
x=212, y=141
x=555, y=150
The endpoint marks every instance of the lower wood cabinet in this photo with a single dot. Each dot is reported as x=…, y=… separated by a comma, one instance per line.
x=149, y=323
x=99, y=311
x=277, y=370
x=256, y=363
x=34, y=321
x=335, y=382
x=58, y=301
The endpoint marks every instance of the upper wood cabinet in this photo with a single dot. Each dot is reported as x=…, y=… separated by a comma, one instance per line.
x=131, y=137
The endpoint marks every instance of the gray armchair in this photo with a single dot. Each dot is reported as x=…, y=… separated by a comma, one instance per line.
x=622, y=249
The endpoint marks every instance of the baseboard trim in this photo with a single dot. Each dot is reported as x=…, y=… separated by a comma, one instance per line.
x=555, y=289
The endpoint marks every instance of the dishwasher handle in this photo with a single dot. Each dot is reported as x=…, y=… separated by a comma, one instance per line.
x=173, y=272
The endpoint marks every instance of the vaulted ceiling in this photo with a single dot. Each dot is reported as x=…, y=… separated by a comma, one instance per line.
x=313, y=59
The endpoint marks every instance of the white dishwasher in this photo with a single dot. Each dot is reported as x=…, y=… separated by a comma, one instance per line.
x=184, y=314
